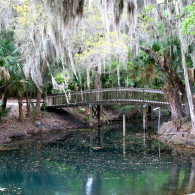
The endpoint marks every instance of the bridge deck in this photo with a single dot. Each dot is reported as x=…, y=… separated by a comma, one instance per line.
x=109, y=96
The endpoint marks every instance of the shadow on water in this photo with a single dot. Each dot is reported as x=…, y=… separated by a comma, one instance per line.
x=98, y=163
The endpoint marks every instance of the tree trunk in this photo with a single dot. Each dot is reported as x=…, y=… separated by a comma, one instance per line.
x=38, y=105
x=187, y=85
x=21, y=115
x=4, y=100
x=39, y=92
x=174, y=92
x=175, y=103
x=98, y=83
x=187, y=108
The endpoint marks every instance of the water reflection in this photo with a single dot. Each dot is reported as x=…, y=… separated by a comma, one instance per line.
x=181, y=181
x=124, y=147
x=89, y=185
x=159, y=148
x=124, y=166
x=192, y=177
x=96, y=140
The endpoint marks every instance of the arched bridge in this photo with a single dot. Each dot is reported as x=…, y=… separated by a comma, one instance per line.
x=108, y=96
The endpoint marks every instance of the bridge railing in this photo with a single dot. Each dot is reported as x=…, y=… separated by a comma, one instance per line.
x=108, y=95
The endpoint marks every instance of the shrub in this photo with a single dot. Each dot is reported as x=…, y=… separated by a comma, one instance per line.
x=3, y=113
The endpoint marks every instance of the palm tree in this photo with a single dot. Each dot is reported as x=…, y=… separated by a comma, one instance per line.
x=11, y=72
x=5, y=54
x=4, y=78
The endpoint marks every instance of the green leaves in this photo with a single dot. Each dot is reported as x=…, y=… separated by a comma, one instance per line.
x=60, y=79
x=11, y=70
x=3, y=113
x=188, y=21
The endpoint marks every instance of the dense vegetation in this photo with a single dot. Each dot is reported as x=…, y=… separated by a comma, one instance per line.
x=144, y=47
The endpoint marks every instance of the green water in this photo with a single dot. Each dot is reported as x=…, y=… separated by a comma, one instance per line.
x=72, y=167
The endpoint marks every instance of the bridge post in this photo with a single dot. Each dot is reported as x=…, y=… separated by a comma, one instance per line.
x=144, y=116
x=124, y=136
x=91, y=115
x=99, y=115
x=99, y=124
x=124, y=125
x=149, y=116
x=143, y=95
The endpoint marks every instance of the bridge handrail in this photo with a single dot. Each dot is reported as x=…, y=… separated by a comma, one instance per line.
x=121, y=95
x=146, y=90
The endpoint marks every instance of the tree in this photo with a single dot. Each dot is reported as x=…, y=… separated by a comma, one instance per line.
x=6, y=49
x=173, y=86
x=40, y=91
x=4, y=78
x=12, y=82
x=188, y=28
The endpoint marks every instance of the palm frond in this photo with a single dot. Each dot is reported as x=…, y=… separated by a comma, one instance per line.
x=4, y=74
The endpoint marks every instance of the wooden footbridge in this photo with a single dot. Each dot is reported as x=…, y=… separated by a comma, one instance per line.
x=108, y=96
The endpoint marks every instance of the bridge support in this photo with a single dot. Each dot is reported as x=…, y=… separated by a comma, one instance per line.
x=124, y=125
x=147, y=111
x=95, y=112
x=99, y=115
x=124, y=136
x=145, y=117
x=149, y=117
x=91, y=115
x=99, y=124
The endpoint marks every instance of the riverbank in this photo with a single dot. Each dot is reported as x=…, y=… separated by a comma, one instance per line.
x=57, y=120
x=178, y=138
x=51, y=126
